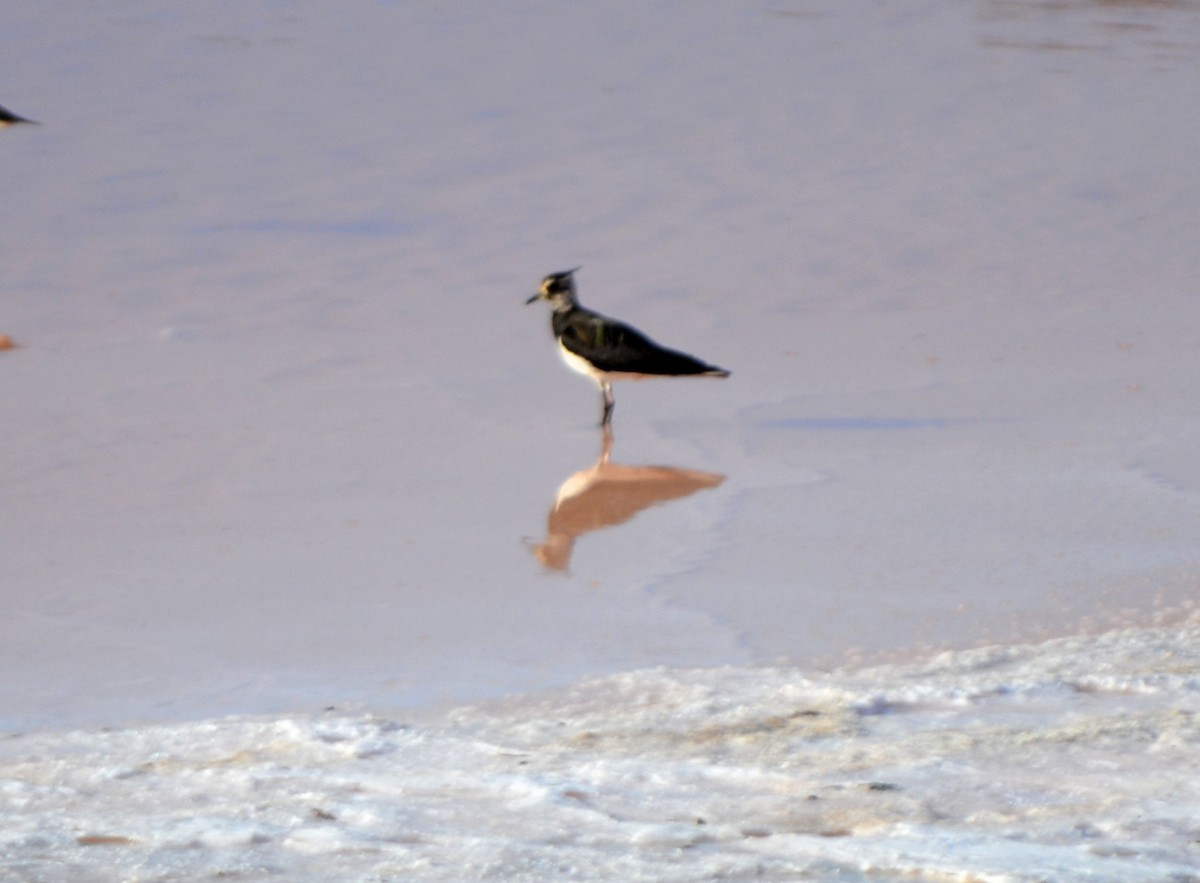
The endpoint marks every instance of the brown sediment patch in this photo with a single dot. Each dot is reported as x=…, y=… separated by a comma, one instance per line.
x=104, y=840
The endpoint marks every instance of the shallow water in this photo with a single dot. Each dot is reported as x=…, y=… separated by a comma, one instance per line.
x=280, y=442
x=279, y=433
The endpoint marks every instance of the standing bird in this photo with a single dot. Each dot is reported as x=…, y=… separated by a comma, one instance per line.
x=8, y=118
x=607, y=350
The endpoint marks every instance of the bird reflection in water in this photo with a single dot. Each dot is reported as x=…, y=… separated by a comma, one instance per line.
x=607, y=494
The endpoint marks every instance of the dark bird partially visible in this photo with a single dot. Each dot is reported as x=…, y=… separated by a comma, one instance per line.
x=8, y=118
x=607, y=350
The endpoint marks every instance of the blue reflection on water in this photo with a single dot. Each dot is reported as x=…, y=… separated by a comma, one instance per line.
x=860, y=424
x=364, y=227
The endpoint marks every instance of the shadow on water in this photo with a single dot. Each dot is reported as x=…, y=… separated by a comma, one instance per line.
x=607, y=494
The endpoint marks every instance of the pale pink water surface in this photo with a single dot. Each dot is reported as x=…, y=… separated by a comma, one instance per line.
x=279, y=433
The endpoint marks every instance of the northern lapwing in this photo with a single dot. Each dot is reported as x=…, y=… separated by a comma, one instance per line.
x=607, y=350
x=8, y=118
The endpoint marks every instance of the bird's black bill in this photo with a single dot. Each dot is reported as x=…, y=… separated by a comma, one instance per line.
x=532, y=299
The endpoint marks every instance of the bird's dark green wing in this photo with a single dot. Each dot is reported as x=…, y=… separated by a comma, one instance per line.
x=616, y=347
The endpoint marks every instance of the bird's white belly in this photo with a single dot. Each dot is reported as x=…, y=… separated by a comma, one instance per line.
x=576, y=363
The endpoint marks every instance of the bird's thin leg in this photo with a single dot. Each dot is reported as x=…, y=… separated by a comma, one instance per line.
x=609, y=403
x=606, y=444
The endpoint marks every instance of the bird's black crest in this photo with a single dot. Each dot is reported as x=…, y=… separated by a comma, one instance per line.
x=557, y=282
